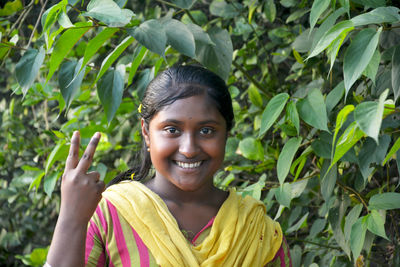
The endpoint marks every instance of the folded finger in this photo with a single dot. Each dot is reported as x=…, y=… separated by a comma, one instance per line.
x=87, y=157
x=73, y=155
x=100, y=186
x=95, y=176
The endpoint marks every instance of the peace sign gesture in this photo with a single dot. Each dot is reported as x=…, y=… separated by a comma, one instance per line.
x=80, y=190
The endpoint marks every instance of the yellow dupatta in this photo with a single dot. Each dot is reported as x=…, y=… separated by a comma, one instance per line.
x=241, y=235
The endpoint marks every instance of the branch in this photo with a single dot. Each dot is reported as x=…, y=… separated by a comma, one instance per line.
x=190, y=16
x=36, y=24
x=23, y=15
x=254, y=81
x=347, y=188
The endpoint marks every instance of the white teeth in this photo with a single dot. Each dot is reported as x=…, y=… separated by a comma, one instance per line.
x=188, y=165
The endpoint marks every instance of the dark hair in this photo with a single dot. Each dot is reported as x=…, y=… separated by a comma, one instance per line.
x=170, y=85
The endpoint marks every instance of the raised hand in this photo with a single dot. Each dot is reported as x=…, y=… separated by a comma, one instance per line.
x=80, y=190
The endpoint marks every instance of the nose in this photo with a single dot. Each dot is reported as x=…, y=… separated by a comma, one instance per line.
x=188, y=145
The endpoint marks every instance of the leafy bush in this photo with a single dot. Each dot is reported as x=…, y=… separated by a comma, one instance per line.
x=314, y=87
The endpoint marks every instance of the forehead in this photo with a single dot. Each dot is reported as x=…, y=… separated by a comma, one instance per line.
x=195, y=108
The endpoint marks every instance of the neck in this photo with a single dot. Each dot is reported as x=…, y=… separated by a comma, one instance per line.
x=207, y=194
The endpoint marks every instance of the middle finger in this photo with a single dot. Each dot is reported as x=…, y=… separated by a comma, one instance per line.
x=87, y=157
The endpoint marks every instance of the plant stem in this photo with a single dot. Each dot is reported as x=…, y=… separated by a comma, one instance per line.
x=190, y=16
x=347, y=188
x=311, y=242
x=248, y=76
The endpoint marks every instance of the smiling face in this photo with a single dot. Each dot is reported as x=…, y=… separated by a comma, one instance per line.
x=187, y=142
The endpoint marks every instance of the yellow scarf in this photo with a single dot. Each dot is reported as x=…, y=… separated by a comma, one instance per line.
x=241, y=235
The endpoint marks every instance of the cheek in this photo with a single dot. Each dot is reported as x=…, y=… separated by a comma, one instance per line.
x=216, y=149
x=160, y=147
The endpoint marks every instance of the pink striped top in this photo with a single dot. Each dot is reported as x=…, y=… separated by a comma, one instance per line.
x=111, y=241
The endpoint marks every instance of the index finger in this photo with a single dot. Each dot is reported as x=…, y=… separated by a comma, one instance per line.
x=73, y=155
x=87, y=157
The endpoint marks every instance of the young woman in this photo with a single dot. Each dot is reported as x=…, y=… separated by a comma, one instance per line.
x=178, y=217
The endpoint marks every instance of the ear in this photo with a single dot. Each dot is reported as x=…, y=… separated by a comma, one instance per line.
x=145, y=132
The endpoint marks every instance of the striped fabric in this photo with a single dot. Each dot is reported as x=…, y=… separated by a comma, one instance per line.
x=111, y=241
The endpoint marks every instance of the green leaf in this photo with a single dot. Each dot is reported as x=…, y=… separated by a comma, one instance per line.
x=334, y=48
x=270, y=10
x=370, y=153
x=59, y=152
x=286, y=157
x=396, y=72
x=67, y=40
x=297, y=225
x=36, y=180
x=340, y=120
x=255, y=189
x=335, y=217
x=325, y=26
x=109, y=12
x=293, y=116
x=358, y=55
x=28, y=67
x=251, y=148
x=218, y=57
x=377, y=16
x=318, y=7
x=336, y=32
x=346, y=141
x=272, y=112
x=357, y=237
x=64, y=20
x=199, y=17
x=328, y=179
x=95, y=44
x=179, y=37
x=51, y=15
x=392, y=151
x=313, y=110
x=283, y=194
x=351, y=218
x=317, y=227
x=70, y=78
x=255, y=96
x=110, y=59
x=334, y=96
x=222, y=9
x=297, y=14
x=150, y=34
x=50, y=182
x=199, y=34
x=11, y=7
x=384, y=201
x=110, y=89
x=38, y=256
x=368, y=116
x=373, y=66
x=138, y=56
x=376, y=224
x=184, y=4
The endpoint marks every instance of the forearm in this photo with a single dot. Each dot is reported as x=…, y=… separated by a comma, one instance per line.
x=67, y=248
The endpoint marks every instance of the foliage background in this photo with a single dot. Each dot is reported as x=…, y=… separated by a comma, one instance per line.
x=314, y=85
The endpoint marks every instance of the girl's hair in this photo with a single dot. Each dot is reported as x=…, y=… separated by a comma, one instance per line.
x=170, y=85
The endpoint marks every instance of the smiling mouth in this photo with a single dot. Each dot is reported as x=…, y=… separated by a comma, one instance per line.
x=185, y=165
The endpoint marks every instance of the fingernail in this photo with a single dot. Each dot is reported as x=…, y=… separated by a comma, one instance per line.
x=97, y=135
x=76, y=132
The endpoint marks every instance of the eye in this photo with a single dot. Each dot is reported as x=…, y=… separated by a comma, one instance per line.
x=171, y=130
x=206, y=131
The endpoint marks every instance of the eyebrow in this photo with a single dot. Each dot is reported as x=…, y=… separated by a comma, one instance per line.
x=181, y=122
